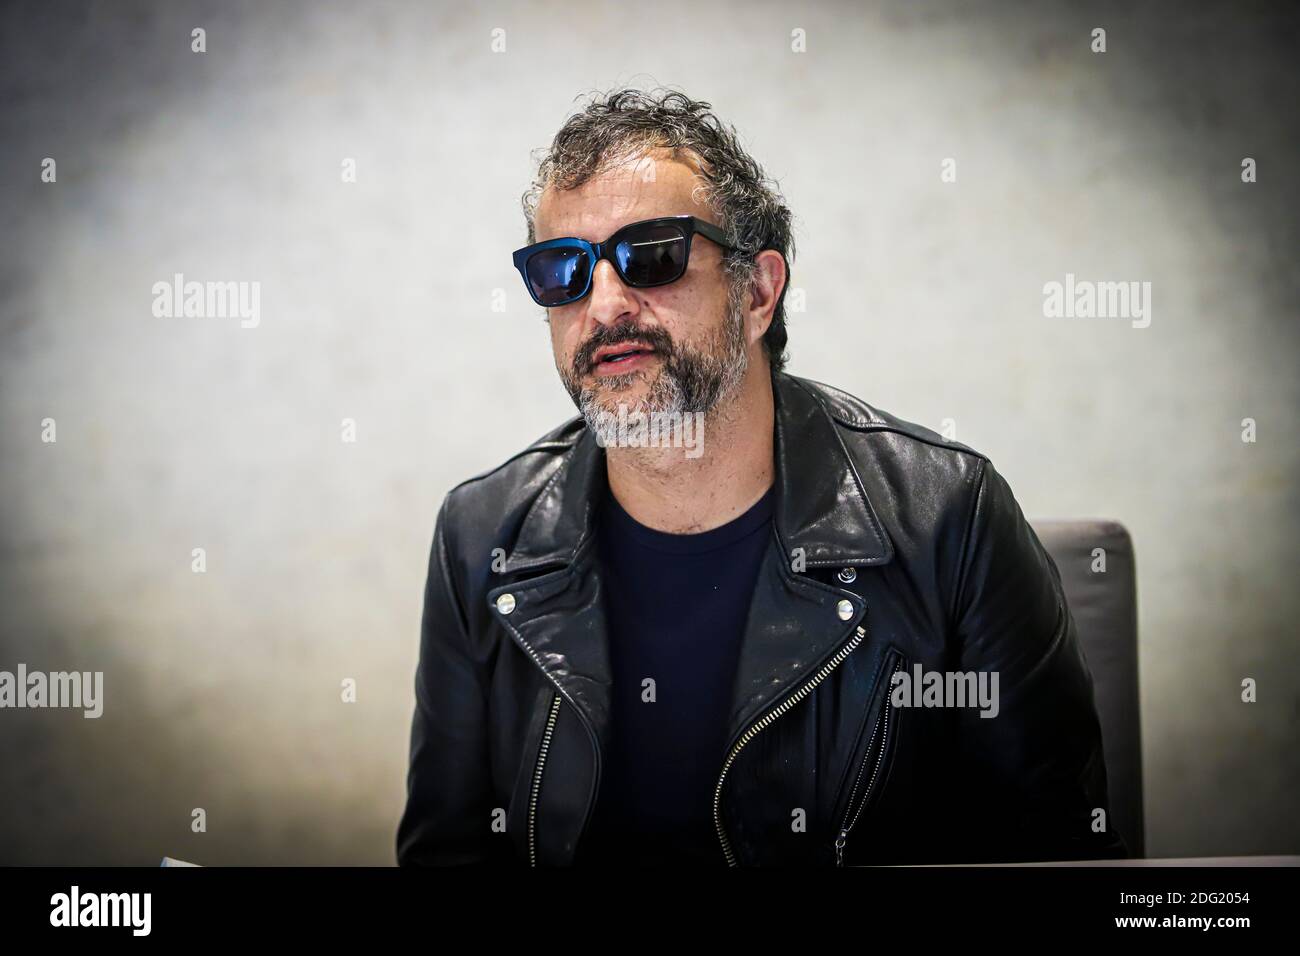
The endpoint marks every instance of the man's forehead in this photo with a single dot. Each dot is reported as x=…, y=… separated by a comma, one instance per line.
x=643, y=187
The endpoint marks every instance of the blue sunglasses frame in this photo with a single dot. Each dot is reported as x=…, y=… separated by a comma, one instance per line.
x=595, y=251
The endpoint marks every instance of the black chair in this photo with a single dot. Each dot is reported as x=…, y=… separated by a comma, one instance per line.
x=1104, y=605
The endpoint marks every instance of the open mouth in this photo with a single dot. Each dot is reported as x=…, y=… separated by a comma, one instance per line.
x=611, y=357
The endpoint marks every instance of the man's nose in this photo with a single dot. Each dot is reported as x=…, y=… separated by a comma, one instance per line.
x=611, y=300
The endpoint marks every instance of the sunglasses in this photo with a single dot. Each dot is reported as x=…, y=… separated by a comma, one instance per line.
x=644, y=254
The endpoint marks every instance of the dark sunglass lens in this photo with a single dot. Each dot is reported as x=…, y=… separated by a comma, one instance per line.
x=557, y=275
x=652, y=255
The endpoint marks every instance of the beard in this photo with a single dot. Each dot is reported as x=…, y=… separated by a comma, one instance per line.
x=690, y=379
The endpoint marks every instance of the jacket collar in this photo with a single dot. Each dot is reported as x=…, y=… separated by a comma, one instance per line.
x=821, y=505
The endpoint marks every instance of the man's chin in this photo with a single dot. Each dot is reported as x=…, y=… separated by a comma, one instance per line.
x=627, y=389
x=612, y=398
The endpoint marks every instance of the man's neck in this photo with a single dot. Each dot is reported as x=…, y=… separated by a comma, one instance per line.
x=665, y=489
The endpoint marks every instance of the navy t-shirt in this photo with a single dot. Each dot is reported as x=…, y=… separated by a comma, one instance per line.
x=676, y=606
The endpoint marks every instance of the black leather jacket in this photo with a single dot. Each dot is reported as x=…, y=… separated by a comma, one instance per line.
x=913, y=552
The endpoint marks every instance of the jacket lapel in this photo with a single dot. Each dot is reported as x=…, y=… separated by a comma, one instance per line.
x=823, y=519
x=559, y=617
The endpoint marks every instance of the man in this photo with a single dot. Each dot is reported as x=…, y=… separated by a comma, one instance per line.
x=682, y=628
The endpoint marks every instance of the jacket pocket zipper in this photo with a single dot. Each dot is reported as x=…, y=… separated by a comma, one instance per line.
x=537, y=780
x=880, y=729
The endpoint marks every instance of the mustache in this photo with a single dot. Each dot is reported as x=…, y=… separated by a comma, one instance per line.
x=655, y=337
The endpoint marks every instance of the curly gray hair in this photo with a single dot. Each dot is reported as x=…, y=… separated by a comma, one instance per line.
x=624, y=124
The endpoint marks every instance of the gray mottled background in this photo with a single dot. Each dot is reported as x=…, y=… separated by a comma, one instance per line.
x=924, y=298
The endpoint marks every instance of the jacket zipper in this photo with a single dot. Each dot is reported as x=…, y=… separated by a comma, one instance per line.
x=546, y=740
x=749, y=735
x=537, y=781
x=882, y=727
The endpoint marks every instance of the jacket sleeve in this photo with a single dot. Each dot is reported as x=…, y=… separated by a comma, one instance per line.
x=1036, y=773
x=448, y=815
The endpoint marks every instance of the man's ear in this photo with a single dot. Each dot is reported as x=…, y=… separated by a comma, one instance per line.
x=765, y=289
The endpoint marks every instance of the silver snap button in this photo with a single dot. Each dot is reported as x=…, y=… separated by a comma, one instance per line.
x=848, y=575
x=844, y=609
x=506, y=603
